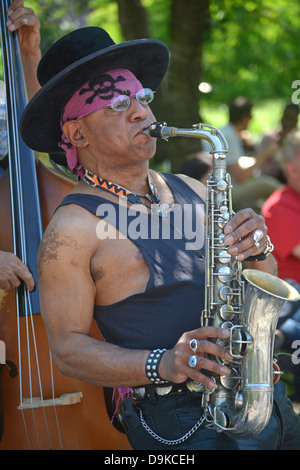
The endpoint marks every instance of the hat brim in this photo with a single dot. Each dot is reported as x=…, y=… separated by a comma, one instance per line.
x=148, y=59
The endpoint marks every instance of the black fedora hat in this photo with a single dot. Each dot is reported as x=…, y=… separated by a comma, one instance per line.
x=72, y=61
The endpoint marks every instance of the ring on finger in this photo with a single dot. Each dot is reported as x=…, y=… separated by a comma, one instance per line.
x=193, y=345
x=193, y=361
x=257, y=235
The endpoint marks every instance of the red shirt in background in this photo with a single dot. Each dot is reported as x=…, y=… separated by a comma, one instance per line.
x=282, y=215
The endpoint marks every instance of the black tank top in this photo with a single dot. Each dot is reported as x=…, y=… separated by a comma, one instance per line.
x=174, y=295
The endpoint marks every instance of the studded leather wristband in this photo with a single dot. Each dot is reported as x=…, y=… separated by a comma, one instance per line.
x=152, y=365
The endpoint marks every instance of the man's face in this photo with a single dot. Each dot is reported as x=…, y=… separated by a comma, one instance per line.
x=102, y=123
x=117, y=136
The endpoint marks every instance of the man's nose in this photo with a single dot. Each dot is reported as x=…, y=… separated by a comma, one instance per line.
x=137, y=110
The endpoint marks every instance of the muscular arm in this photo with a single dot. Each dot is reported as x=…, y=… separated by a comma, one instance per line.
x=67, y=294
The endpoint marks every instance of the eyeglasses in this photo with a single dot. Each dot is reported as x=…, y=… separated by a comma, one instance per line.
x=122, y=102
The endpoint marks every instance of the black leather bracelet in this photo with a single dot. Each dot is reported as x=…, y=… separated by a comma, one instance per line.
x=152, y=364
x=259, y=257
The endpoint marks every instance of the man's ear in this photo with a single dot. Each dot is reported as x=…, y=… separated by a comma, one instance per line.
x=72, y=131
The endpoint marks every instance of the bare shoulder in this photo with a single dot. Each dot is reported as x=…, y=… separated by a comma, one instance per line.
x=66, y=287
x=69, y=238
x=196, y=185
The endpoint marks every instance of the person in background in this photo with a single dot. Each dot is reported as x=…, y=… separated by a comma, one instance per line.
x=24, y=21
x=282, y=216
x=275, y=138
x=197, y=165
x=248, y=190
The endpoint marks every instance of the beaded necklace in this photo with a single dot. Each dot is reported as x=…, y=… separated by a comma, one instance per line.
x=160, y=210
x=119, y=191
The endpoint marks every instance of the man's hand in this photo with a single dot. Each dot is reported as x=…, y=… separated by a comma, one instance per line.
x=28, y=26
x=12, y=271
x=24, y=21
x=239, y=234
x=175, y=367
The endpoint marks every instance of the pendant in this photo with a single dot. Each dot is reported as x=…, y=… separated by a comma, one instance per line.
x=161, y=210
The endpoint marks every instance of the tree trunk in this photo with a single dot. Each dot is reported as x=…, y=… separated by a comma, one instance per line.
x=189, y=28
x=133, y=19
x=177, y=99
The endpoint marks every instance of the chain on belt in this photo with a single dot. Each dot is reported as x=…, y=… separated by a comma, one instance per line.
x=167, y=441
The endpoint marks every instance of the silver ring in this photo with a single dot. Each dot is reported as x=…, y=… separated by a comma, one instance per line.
x=193, y=361
x=257, y=235
x=193, y=345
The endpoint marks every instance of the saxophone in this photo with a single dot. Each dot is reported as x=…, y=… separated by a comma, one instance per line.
x=246, y=302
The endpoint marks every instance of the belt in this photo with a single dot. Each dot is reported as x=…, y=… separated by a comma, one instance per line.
x=152, y=391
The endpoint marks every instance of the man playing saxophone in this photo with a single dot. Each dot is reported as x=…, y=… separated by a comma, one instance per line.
x=104, y=254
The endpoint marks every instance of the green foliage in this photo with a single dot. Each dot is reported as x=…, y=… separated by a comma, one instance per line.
x=57, y=17
x=253, y=49
x=104, y=13
x=159, y=15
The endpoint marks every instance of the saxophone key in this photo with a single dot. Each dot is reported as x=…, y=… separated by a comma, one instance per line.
x=220, y=239
x=225, y=293
x=221, y=419
x=222, y=185
x=225, y=274
x=224, y=257
x=240, y=341
x=226, y=312
x=223, y=219
x=231, y=380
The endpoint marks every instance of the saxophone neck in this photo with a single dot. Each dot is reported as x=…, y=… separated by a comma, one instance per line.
x=198, y=131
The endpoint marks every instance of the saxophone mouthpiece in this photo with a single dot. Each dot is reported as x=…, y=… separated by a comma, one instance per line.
x=155, y=130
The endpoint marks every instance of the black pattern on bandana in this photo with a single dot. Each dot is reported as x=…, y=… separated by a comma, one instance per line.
x=104, y=87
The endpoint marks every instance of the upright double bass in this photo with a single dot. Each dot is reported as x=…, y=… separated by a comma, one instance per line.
x=39, y=407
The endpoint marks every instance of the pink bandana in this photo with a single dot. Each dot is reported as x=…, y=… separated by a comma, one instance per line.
x=95, y=94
